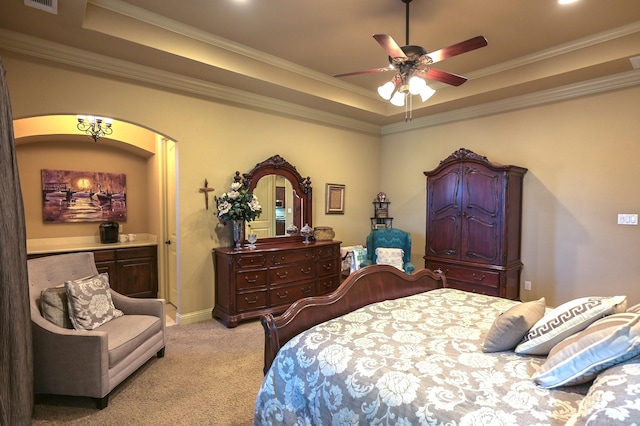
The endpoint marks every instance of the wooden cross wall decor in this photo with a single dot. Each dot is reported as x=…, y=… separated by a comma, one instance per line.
x=206, y=190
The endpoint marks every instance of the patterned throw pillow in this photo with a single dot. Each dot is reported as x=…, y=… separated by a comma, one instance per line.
x=509, y=327
x=90, y=303
x=567, y=319
x=390, y=256
x=579, y=358
x=54, y=306
x=613, y=398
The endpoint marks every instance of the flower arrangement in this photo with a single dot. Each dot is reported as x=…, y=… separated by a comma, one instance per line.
x=238, y=204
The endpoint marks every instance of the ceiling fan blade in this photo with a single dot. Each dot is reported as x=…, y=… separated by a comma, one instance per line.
x=443, y=76
x=458, y=48
x=389, y=45
x=364, y=72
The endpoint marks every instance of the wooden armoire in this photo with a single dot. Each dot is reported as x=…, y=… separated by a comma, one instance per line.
x=474, y=217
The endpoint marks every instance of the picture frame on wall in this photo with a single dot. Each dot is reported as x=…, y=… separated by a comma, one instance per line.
x=335, y=199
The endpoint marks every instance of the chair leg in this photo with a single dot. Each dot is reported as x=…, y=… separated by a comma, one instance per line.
x=102, y=403
x=161, y=353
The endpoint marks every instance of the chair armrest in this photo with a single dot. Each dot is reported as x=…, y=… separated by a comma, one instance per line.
x=68, y=361
x=135, y=306
x=409, y=268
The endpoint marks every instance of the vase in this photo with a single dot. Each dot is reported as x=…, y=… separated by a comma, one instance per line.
x=306, y=232
x=238, y=233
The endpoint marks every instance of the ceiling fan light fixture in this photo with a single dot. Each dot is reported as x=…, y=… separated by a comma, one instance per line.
x=416, y=84
x=398, y=99
x=426, y=93
x=386, y=90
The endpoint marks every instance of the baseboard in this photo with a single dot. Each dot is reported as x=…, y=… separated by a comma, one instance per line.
x=193, y=317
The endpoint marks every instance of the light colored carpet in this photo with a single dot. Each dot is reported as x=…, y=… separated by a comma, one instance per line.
x=210, y=375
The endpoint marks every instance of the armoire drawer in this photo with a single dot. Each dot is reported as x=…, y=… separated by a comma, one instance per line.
x=473, y=288
x=470, y=275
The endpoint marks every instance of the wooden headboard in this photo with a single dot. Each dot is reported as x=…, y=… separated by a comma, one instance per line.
x=366, y=286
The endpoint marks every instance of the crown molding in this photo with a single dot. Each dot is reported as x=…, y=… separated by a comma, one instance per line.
x=55, y=52
x=571, y=91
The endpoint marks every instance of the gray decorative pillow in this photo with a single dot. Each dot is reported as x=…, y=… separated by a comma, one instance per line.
x=613, y=398
x=579, y=358
x=54, y=307
x=510, y=326
x=90, y=303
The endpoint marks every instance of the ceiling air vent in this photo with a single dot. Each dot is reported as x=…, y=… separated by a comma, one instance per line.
x=50, y=6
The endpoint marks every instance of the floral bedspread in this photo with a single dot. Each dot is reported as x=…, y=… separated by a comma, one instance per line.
x=411, y=361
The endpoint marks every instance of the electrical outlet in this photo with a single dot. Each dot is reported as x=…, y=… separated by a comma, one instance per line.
x=527, y=285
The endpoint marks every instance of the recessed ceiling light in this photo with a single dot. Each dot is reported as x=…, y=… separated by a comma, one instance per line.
x=635, y=62
x=563, y=2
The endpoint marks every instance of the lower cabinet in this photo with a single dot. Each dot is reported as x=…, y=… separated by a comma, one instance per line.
x=133, y=271
x=269, y=278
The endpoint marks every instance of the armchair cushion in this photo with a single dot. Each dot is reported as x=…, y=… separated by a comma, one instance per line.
x=390, y=256
x=127, y=333
x=90, y=304
x=54, y=306
x=389, y=238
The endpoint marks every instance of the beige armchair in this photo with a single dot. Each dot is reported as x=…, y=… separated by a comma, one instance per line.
x=90, y=363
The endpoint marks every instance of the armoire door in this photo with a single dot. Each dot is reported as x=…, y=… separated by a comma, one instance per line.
x=482, y=214
x=444, y=226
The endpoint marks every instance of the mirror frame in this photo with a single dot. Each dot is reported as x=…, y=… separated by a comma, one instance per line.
x=276, y=165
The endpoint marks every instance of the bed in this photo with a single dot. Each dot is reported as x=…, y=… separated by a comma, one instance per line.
x=392, y=348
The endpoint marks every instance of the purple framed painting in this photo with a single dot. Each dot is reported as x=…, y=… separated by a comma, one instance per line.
x=70, y=196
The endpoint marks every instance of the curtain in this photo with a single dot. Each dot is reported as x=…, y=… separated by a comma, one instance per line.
x=16, y=358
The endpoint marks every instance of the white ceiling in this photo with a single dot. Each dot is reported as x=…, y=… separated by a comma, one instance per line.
x=288, y=50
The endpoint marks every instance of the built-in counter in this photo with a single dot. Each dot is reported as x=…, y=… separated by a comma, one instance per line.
x=132, y=266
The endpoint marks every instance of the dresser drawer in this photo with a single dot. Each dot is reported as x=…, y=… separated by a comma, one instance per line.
x=328, y=251
x=247, y=261
x=251, y=301
x=248, y=279
x=469, y=275
x=328, y=267
x=286, y=274
x=327, y=285
x=289, y=294
x=292, y=256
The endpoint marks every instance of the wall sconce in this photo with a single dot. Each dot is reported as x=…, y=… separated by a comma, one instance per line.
x=95, y=127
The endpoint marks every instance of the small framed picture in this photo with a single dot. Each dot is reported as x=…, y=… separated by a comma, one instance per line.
x=335, y=199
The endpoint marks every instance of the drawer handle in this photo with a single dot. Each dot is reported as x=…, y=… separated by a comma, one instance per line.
x=306, y=290
x=307, y=271
x=285, y=295
x=328, y=266
x=286, y=274
x=327, y=283
x=479, y=278
x=251, y=302
x=249, y=280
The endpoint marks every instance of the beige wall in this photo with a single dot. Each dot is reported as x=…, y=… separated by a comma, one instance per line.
x=214, y=140
x=582, y=157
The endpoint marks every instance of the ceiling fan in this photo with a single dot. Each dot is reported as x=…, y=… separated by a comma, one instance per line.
x=414, y=61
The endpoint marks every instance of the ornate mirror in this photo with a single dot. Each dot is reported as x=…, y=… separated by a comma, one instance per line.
x=285, y=197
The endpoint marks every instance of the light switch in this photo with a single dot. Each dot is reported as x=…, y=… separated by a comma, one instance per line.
x=628, y=219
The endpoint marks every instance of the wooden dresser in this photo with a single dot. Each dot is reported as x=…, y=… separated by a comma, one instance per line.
x=269, y=278
x=473, y=225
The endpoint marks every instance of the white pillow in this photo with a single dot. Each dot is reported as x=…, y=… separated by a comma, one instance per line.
x=566, y=320
x=579, y=358
x=390, y=256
